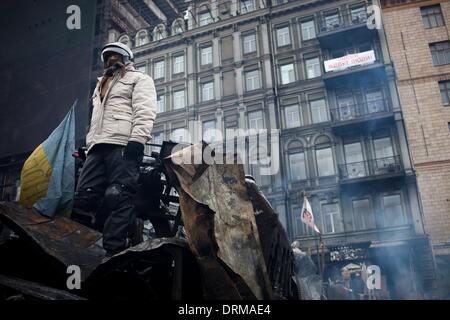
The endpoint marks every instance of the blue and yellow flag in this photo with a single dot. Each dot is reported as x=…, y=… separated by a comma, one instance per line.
x=47, y=180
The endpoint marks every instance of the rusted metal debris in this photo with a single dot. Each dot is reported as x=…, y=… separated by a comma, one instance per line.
x=275, y=244
x=36, y=290
x=230, y=221
x=67, y=241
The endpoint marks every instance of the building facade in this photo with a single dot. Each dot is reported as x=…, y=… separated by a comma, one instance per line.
x=418, y=37
x=319, y=74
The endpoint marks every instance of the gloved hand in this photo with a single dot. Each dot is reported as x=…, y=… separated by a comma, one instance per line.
x=134, y=150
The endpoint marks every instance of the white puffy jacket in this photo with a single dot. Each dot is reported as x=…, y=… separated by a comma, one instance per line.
x=127, y=112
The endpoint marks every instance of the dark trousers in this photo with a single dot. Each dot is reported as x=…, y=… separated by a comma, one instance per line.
x=106, y=186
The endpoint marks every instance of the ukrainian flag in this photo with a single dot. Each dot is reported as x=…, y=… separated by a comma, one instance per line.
x=47, y=180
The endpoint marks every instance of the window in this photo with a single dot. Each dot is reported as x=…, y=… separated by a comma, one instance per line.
x=125, y=40
x=255, y=120
x=141, y=38
x=383, y=148
x=179, y=135
x=384, y=153
x=247, y=6
x=308, y=30
x=204, y=18
x=297, y=166
x=332, y=220
x=161, y=101
x=178, y=64
x=444, y=87
x=375, y=101
x=252, y=81
x=209, y=131
x=206, y=55
x=283, y=36
x=159, y=69
x=287, y=73
x=358, y=14
x=158, y=138
x=367, y=47
x=292, y=116
x=354, y=161
x=249, y=43
x=393, y=210
x=432, y=16
x=178, y=99
x=159, y=32
x=363, y=214
x=353, y=152
x=142, y=68
x=177, y=27
x=319, y=111
x=332, y=21
x=346, y=106
x=325, y=162
x=158, y=35
x=338, y=53
x=313, y=68
x=207, y=91
x=440, y=52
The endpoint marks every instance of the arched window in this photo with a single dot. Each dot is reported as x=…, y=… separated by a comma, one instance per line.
x=125, y=39
x=177, y=26
x=204, y=16
x=320, y=140
x=142, y=38
x=159, y=32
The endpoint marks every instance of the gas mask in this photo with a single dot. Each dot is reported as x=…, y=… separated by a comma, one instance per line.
x=113, y=62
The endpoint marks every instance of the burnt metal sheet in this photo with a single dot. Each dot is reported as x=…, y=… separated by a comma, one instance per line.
x=69, y=242
x=36, y=290
x=275, y=244
x=148, y=250
x=222, y=188
x=143, y=247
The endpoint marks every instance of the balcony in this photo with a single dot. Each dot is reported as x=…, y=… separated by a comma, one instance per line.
x=370, y=170
x=376, y=236
x=378, y=111
x=339, y=29
x=313, y=183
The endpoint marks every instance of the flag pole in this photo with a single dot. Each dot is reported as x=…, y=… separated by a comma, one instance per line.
x=318, y=252
x=307, y=217
x=322, y=264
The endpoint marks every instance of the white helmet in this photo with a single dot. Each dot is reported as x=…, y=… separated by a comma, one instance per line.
x=120, y=48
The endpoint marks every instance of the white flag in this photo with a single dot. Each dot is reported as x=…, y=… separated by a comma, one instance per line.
x=307, y=215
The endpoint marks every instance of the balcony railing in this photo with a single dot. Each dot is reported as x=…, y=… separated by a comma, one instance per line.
x=330, y=23
x=360, y=110
x=375, y=235
x=370, y=168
